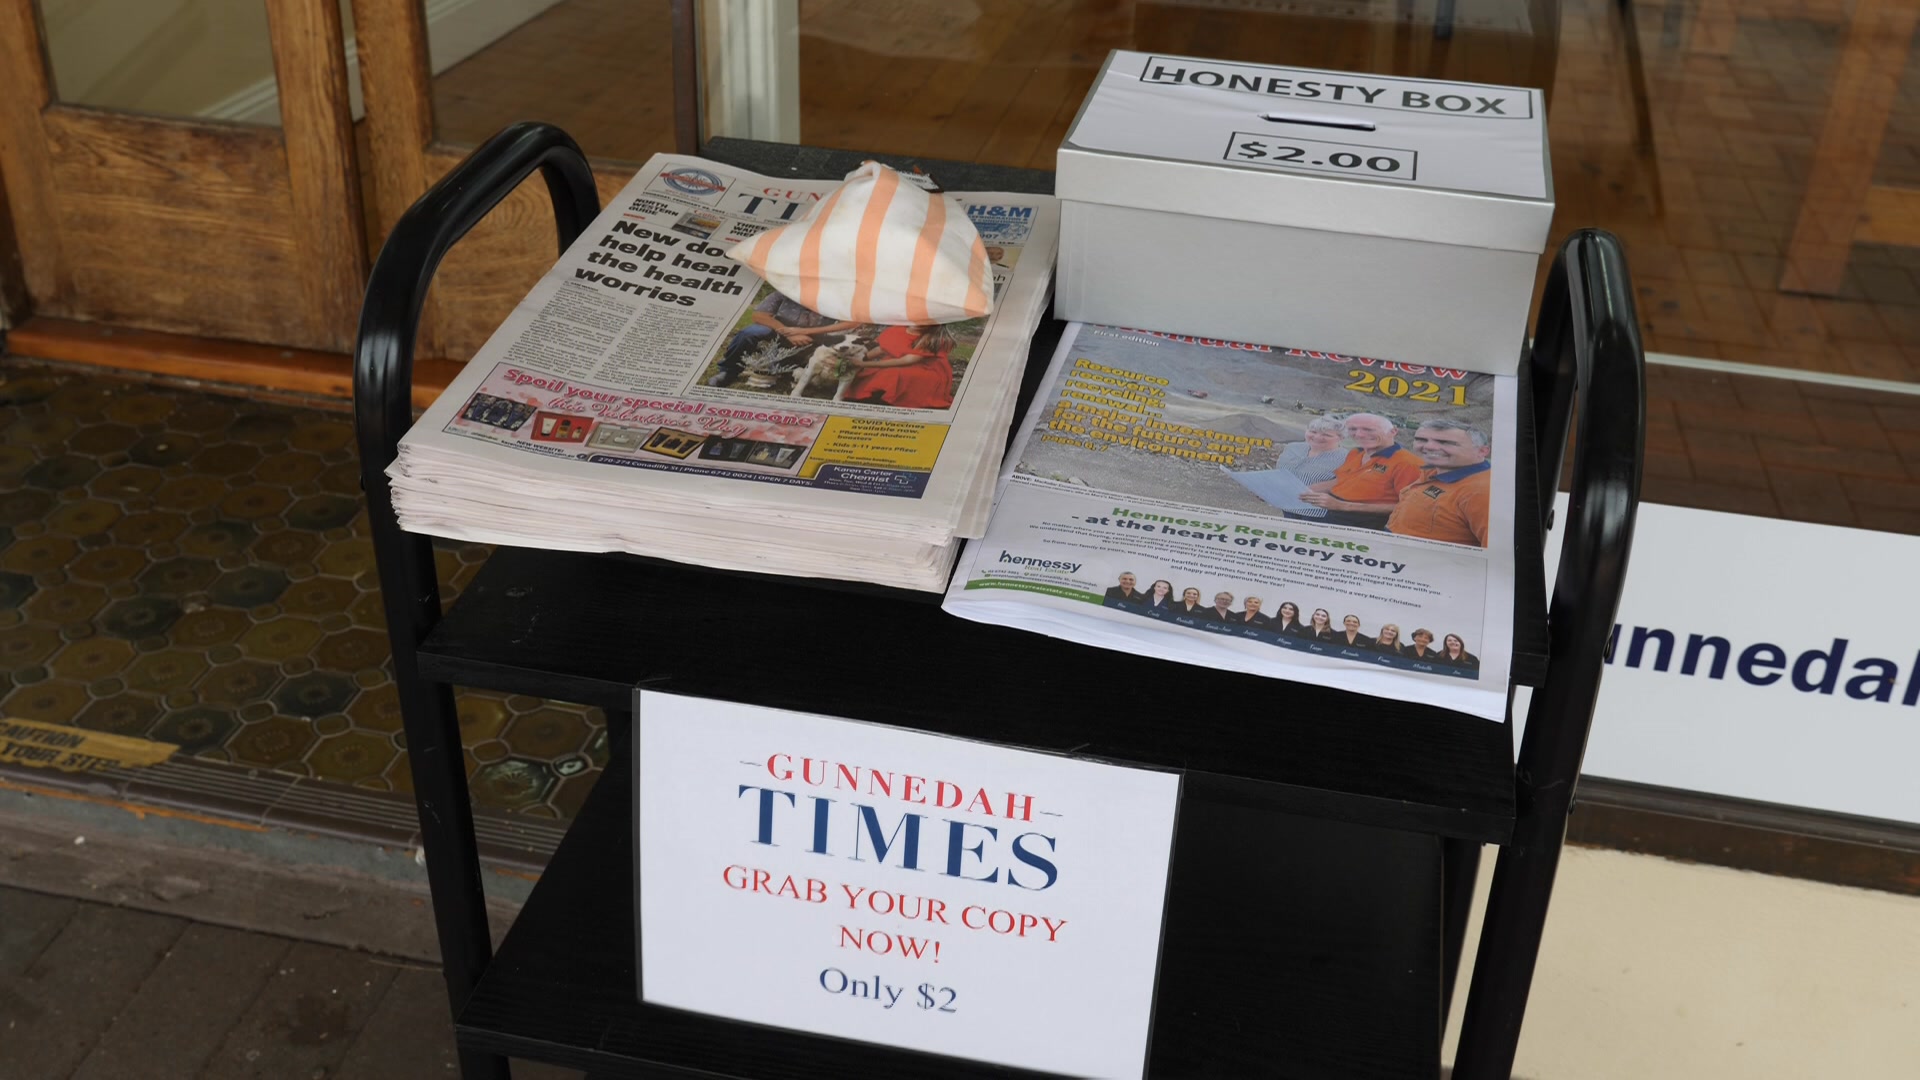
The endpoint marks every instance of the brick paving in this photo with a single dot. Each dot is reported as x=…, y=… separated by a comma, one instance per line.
x=1783, y=448
x=95, y=992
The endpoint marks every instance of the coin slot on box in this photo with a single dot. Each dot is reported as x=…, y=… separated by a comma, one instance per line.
x=1319, y=121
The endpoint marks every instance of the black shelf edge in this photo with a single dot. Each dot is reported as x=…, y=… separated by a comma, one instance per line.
x=1289, y=952
x=588, y=628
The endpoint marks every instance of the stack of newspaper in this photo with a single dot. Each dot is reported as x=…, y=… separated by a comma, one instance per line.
x=1298, y=514
x=652, y=396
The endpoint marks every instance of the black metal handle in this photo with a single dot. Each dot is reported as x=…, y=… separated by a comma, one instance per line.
x=1586, y=349
x=409, y=586
x=397, y=287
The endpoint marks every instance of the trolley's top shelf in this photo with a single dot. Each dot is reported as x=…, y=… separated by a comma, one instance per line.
x=590, y=627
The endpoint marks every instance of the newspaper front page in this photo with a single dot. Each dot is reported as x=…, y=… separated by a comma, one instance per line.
x=1305, y=515
x=646, y=359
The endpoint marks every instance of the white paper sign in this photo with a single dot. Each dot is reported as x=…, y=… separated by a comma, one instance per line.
x=1763, y=659
x=867, y=882
x=1416, y=132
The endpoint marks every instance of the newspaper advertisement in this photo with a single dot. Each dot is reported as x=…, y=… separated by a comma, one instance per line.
x=646, y=350
x=1308, y=515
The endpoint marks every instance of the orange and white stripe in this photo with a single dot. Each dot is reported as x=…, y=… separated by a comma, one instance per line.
x=878, y=250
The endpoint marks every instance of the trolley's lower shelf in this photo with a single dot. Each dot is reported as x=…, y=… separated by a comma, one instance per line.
x=1294, y=948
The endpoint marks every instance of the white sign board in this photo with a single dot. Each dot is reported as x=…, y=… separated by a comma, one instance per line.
x=1766, y=660
x=930, y=893
x=1445, y=136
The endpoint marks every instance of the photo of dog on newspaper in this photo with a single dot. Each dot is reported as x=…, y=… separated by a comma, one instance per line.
x=780, y=347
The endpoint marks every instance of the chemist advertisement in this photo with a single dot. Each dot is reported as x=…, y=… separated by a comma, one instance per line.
x=930, y=893
x=1259, y=508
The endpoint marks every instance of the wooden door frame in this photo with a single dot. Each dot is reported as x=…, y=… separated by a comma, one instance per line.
x=397, y=92
x=281, y=206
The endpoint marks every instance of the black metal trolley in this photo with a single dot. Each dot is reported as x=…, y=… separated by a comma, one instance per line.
x=1327, y=842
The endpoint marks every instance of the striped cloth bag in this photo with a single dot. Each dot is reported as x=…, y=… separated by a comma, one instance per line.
x=879, y=249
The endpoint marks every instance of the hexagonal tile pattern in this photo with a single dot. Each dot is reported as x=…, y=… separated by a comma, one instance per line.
x=209, y=628
x=253, y=502
x=107, y=565
x=60, y=472
x=321, y=434
x=513, y=783
x=316, y=693
x=368, y=609
x=166, y=671
x=216, y=538
x=141, y=617
x=547, y=733
x=82, y=517
x=199, y=415
x=275, y=741
x=51, y=701
x=101, y=440
x=249, y=588
x=290, y=469
x=39, y=554
x=146, y=529
x=60, y=605
x=352, y=650
x=91, y=658
x=197, y=570
x=238, y=682
x=15, y=589
x=262, y=428
x=226, y=459
x=320, y=596
x=321, y=512
x=126, y=481
x=482, y=716
x=178, y=577
x=197, y=728
x=281, y=639
x=23, y=646
x=43, y=430
x=121, y=714
x=346, y=559
x=15, y=461
x=352, y=756
x=288, y=547
x=377, y=709
x=21, y=505
x=137, y=409
x=168, y=448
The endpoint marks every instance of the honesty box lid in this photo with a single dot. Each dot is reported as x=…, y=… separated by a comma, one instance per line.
x=1419, y=159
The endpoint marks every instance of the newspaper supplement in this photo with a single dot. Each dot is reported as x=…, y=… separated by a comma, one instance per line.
x=1306, y=515
x=651, y=395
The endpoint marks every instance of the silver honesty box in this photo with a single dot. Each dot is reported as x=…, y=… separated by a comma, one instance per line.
x=1401, y=219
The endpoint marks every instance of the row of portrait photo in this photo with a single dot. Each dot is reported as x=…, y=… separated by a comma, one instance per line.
x=1285, y=624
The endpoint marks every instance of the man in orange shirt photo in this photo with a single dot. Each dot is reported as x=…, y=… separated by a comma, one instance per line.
x=1450, y=500
x=1366, y=487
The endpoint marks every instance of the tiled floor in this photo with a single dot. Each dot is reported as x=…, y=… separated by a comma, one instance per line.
x=195, y=569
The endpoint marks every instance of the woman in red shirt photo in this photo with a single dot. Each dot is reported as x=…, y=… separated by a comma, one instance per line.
x=907, y=367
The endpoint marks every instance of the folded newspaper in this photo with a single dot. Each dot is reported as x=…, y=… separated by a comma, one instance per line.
x=1322, y=518
x=652, y=396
